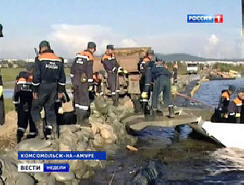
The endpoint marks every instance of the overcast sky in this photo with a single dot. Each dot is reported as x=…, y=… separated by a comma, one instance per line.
x=70, y=24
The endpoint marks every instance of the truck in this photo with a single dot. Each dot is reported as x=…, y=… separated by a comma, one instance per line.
x=192, y=67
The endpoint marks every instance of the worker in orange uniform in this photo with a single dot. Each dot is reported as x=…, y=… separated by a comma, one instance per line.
x=82, y=82
x=2, y=112
x=175, y=72
x=112, y=67
x=224, y=102
x=22, y=100
x=235, y=107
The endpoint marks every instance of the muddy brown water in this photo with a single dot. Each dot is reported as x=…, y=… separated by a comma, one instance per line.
x=172, y=156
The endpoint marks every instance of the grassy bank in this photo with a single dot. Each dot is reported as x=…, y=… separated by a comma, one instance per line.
x=9, y=106
x=227, y=67
x=9, y=76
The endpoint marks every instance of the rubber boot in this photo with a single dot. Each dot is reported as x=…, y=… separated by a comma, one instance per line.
x=160, y=113
x=31, y=135
x=171, y=112
x=238, y=120
x=84, y=119
x=115, y=100
x=40, y=130
x=20, y=134
x=154, y=114
x=48, y=132
x=54, y=134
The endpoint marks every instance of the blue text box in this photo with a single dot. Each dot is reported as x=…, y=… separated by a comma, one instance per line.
x=56, y=168
x=61, y=155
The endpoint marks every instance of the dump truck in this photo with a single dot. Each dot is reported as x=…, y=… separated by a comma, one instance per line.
x=128, y=59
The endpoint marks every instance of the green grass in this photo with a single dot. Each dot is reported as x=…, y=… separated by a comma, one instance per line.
x=9, y=74
x=9, y=106
x=67, y=71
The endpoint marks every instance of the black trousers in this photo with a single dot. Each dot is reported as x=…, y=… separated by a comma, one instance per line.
x=2, y=112
x=59, y=118
x=25, y=118
x=113, y=82
x=46, y=98
x=142, y=83
x=82, y=102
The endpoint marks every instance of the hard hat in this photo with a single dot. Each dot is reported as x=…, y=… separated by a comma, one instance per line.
x=44, y=43
x=110, y=47
x=1, y=30
x=91, y=45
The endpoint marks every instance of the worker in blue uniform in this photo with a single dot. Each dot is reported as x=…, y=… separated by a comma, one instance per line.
x=162, y=83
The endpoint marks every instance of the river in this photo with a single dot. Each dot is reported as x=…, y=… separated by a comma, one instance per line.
x=210, y=92
x=169, y=157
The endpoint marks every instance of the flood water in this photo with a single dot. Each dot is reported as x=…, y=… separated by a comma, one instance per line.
x=210, y=92
x=172, y=156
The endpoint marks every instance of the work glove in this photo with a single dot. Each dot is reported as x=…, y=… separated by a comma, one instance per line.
x=1, y=91
x=60, y=110
x=90, y=88
x=120, y=70
x=144, y=95
x=114, y=69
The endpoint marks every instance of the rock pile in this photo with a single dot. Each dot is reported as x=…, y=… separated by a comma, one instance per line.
x=106, y=133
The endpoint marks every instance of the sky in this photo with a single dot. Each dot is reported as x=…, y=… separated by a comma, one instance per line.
x=160, y=24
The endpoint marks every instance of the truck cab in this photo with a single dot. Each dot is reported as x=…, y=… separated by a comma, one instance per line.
x=192, y=68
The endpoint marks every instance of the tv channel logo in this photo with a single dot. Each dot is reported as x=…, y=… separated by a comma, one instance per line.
x=203, y=18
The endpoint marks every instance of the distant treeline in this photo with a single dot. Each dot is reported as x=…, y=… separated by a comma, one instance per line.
x=226, y=67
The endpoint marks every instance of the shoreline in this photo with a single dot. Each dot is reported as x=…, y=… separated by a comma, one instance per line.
x=106, y=133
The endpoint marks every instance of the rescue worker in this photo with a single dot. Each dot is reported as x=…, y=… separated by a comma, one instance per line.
x=146, y=83
x=48, y=82
x=1, y=30
x=97, y=79
x=59, y=104
x=165, y=65
x=142, y=69
x=2, y=112
x=175, y=72
x=235, y=107
x=224, y=103
x=82, y=82
x=162, y=83
x=112, y=67
x=22, y=100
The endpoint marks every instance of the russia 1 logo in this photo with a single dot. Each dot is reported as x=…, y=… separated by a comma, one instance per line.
x=218, y=18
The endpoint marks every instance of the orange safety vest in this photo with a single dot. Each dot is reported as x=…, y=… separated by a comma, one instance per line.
x=88, y=54
x=225, y=95
x=146, y=59
x=175, y=66
x=48, y=56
